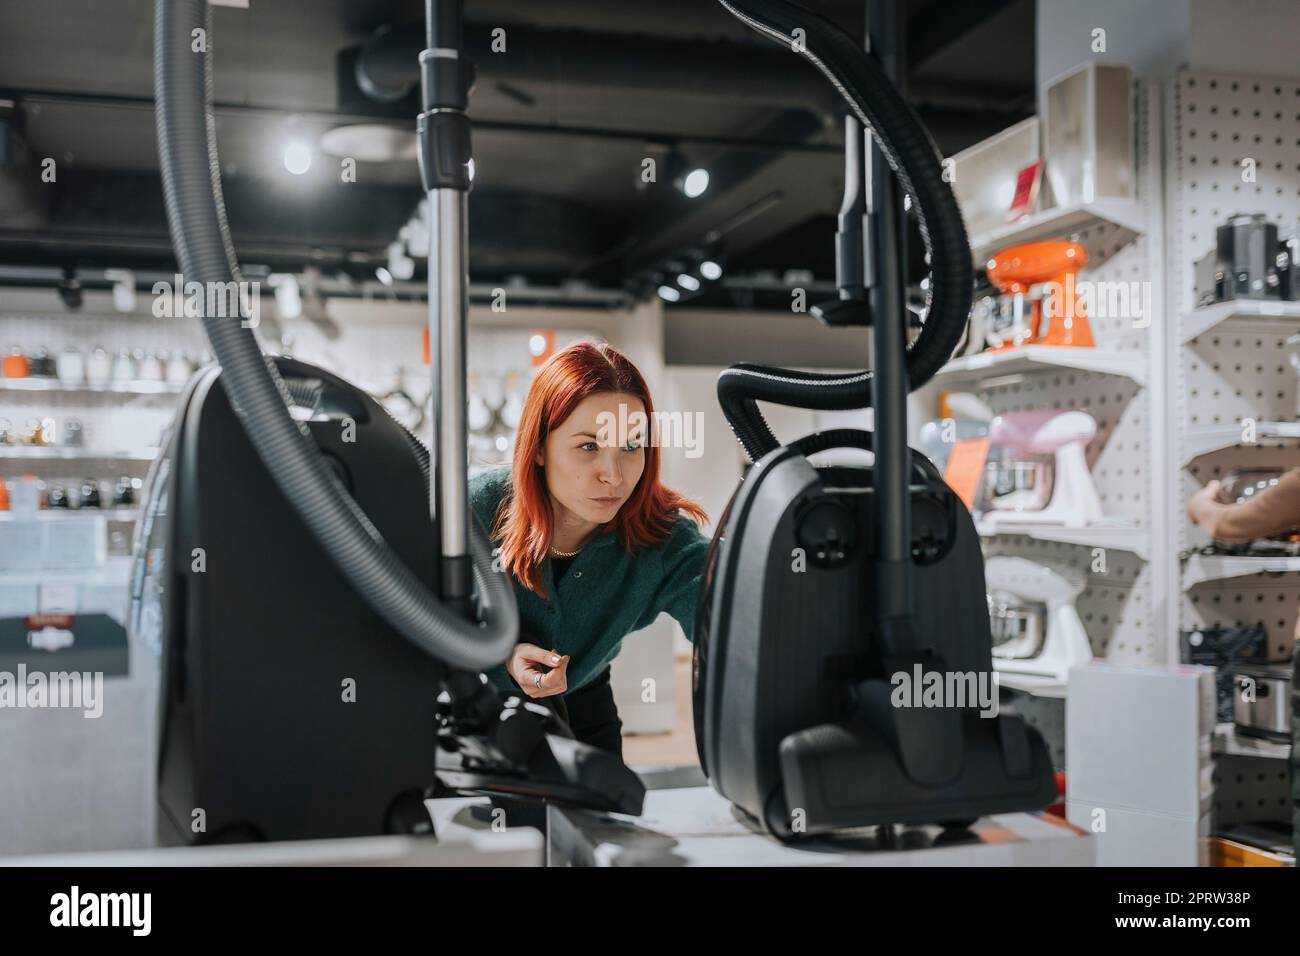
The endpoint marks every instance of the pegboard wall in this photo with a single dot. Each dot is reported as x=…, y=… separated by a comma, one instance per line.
x=1044, y=714
x=1247, y=789
x=1236, y=370
x=1239, y=369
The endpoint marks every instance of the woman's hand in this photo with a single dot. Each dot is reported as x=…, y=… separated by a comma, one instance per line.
x=1207, y=506
x=538, y=672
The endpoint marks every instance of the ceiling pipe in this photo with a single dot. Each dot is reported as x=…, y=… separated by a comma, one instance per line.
x=386, y=67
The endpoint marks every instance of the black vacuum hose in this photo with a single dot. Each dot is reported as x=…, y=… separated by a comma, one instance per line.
x=912, y=155
x=191, y=174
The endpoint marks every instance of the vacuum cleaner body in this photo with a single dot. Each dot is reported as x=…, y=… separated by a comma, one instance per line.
x=791, y=685
x=288, y=708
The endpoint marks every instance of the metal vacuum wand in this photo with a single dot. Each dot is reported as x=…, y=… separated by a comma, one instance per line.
x=444, y=151
x=889, y=386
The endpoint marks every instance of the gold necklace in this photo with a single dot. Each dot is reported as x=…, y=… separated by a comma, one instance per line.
x=569, y=554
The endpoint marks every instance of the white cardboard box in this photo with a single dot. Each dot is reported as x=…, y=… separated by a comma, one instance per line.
x=1138, y=749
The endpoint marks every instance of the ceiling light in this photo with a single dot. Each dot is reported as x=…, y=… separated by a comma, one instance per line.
x=688, y=282
x=297, y=157
x=70, y=289
x=710, y=270
x=668, y=293
x=384, y=276
x=696, y=181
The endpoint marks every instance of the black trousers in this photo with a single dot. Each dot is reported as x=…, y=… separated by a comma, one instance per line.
x=591, y=714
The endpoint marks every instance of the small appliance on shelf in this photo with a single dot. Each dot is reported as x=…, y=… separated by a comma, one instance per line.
x=1247, y=262
x=1040, y=304
x=1036, y=628
x=1030, y=488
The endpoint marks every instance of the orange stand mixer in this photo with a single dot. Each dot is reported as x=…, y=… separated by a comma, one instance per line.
x=1042, y=276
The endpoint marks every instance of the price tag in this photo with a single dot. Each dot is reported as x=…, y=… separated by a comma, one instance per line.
x=965, y=469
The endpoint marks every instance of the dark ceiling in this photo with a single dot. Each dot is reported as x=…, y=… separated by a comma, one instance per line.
x=586, y=90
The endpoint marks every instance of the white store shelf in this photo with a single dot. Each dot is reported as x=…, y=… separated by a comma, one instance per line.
x=1032, y=684
x=1220, y=567
x=47, y=453
x=1038, y=358
x=1058, y=223
x=1228, y=741
x=74, y=514
x=1118, y=537
x=1199, y=321
x=1202, y=441
x=42, y=384
x=114, y=572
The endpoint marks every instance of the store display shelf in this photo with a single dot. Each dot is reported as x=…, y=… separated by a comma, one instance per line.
x=74, y=514
x=55, y=453
x=1199, y=321
x=1031, y=684
x=54, y=385
x=114, y=572
x=1202, y=441
x=1116, y=536
x=1038, y=358
x=1228, y=741
x=1220, y=567
x=1059, y=223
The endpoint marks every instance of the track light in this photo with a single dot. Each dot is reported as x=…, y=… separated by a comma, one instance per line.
x=70, y=289
x=695, y=182
x=711, y=270
x=297, y=157
x=688, y=282
x=690, y=180
x=669, y=294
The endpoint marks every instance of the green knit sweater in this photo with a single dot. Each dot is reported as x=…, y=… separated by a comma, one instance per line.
x=606, y=593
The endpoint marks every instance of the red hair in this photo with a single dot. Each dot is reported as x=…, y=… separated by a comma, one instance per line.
x=525, y=521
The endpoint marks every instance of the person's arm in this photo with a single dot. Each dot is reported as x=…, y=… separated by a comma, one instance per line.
x=1273, y=510
x=684, y=556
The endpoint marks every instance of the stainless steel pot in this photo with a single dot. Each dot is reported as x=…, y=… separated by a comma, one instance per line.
x=1018, y=626
x=1261, y=700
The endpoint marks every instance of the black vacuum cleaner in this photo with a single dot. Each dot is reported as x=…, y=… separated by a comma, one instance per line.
x=827, y=587
x=321, y=596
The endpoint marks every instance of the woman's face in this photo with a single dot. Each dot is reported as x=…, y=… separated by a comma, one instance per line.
x=595, y=457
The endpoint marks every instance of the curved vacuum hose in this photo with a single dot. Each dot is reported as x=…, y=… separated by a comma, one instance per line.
x=912, y=155
x=191, y=175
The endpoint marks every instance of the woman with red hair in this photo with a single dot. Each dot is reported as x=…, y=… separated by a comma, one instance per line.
x=596, y=545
